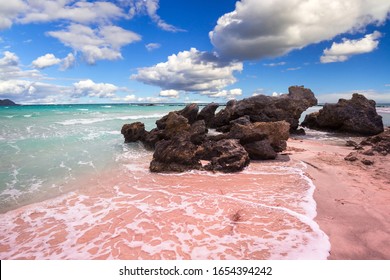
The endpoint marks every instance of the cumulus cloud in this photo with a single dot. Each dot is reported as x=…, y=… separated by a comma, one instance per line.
x=228, y=94
x=75, y=11
x=96, y=44
x=339, y=52
x=378, y=97
x=191, y=71
x=10, y=68
x=92, y=89
x=45, y=61
x=170, y=93
x=9, y=10
x=259, y=29
x=152, y=46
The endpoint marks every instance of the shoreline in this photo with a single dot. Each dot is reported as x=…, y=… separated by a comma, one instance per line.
x=353, y=200
x=352, y=205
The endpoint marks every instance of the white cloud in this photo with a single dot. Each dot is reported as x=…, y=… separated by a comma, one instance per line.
x=191, y=71
x=45, y=61
x=275, y=64
x=378, y=97
x=343, y=51
x=9, y=10
x=92, y=89
x=294, y=68
x=150, y=8
x=80, y=11
x=228, y=94
x=170, y=93
x=259, y=29
x=152, y=46
x=96, y=44
x=10, y=68
x=68, y=61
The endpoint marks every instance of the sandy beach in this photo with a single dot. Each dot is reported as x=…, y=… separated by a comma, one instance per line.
x=353, y=199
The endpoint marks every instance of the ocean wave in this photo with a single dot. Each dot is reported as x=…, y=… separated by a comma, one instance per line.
x=95, y=120
x=385, y=110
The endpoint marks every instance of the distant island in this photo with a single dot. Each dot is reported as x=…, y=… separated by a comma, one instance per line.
x=7, y=102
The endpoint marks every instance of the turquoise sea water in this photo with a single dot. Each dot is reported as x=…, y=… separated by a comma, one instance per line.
x=45, y=148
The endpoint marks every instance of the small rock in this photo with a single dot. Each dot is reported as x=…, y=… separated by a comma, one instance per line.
x=367, y=161
x=351, y=157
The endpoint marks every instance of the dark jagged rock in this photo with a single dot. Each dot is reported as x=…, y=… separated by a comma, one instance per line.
x=178, y=154
x=224, y=116
x=379, y=143
x=152, y=137
x=261, y=108
x=190, y=112
x=244, y=120
x=246, y=133
x=175, y=124
x=133, y=132
x=260, y=150
x=226, y=155
x=351, y=157
x=207, y=113
x=180, y=140
x=357, y=115
x=277, y=133
x=198, y=132
x=7, y=102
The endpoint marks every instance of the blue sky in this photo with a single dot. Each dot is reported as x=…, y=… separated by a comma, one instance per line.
x=75, y=51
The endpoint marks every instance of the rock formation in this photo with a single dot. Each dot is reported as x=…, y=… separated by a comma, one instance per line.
x=357, y=115
x=370, y=149
x=255, y=128
x=261, y=108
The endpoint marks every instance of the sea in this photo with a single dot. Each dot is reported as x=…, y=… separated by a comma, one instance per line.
x=70, y=188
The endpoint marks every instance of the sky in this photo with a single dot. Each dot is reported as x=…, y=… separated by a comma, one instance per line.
x=127, y=51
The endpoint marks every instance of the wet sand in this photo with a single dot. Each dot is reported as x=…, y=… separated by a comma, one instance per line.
x=353, y=199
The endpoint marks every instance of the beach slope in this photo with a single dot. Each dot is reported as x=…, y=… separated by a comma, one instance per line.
x=353, y=199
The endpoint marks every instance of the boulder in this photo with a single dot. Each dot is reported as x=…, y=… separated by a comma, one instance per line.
x=133, y=132
x=226, y=155
x=207, y=113
x=277, y=133
x=356, y=115
x=262, y=108
x=260, y=150
x=198, y=132
x=190, y=112
x=224, y=116
x=178, y=154
x=175, y=124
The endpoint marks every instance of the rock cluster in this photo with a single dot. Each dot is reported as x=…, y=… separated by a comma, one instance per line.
x=378, y=145
x=357, y=115
x=255, y=128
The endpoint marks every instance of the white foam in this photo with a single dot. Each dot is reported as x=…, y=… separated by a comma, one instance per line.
x=27, y=116
x=95, y=120
x=385, y=110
